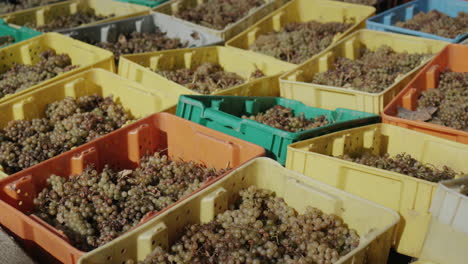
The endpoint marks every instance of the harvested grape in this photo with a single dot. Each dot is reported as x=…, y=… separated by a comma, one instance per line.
x=298, y=42
x=405, y=164
x=67, y=123
x=23, y=76
x=205, y=79
x=437, y=23
x=141, y=42
x=373, y=72
x=284, y=118
x=94, y=207
x=69, y=21
x=261, y=228
x=17, y=5
x=218, y=14
x=447, y=105
x=464, y=190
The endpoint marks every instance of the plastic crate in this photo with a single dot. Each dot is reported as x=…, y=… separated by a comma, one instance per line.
x=121, y=149
x=410, y=196
x=304, y=11
x=385, y=21
x=229, y=31
x=109, y=32
x=224, y=114
x=27, y=52
x=297, y=190
x=140, y=68
x=149, y=3
x=43, y=14
x=294, y=84
x=18, y=33
x=453, y=57
x=137, y=100
x=447, y=237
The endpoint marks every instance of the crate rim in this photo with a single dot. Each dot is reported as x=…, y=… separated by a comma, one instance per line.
x=277, y=131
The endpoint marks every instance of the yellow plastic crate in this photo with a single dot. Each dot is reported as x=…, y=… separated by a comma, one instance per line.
x=132, y=96
x=43, y=14
x=139, y=68
x=304, y=11
x=294, y=84
x=172, y=7
x=297, y=190
x=411, y=197
x=27, y=52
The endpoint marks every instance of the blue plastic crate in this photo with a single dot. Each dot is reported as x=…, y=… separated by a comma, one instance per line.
x=18, y=33
x=385, y=21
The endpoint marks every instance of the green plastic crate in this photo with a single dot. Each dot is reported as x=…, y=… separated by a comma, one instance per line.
x=223, y=113
x=18, y=33
x=148, y=3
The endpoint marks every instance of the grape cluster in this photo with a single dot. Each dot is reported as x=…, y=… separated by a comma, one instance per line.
x=141, y=42
x=69, y=21
x=464, y=190
x=373, y=72
x=283, y=118
x=298, y=42
x=261, y=228
x=17, y=5
x=68, y=123
x=362, y=2
x=450, y=99
x=22, y=76
x=207, y=78
x=435, y=22
x=94, y=207
x=218, y=14
x=405, y=164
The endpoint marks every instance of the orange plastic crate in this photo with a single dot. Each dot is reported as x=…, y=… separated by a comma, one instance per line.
x=454, y=57
x=121, y=149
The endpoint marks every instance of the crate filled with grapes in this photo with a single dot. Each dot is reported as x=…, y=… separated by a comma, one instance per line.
x=434, y=19
x=149, y=3
x=363, y=71
x=85, y=198
x=260, y=213
x=55, y=118
x=270, y=122
x=71, y=14
x=301, y=29
x=223, y=18
x=149, y=33
x=436, y=100
x=207, y=70
x=10, y=34
x=35, y=62
x=10, y=6
x=393, y=166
